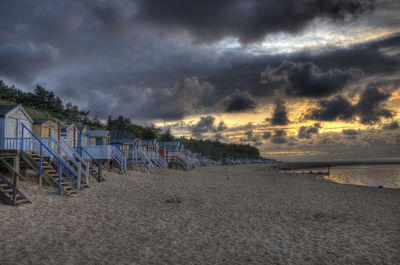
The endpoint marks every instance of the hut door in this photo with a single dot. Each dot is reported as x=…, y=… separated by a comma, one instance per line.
x=53, y=133
x=12, y=128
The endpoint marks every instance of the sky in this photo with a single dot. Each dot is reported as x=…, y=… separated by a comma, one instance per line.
x=301, y=80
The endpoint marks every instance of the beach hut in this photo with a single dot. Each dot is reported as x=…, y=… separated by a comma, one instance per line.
x=83, y=136
x=166, y=148
x=11, y=117
x=98, y=137
x=149, y=145
x=69, y=132
x=46, y=128
x=170, y=146
x=123, y=139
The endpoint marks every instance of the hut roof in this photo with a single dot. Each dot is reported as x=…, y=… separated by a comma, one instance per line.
x=177, y=144
x=122, y=137
x=97, y=133
x=146, y=142
x=4, y=109
x=81, y=127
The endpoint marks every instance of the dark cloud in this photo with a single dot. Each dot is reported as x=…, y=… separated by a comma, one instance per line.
x=306, y=79
x=22, y=62
x=247, y=20
x=219, y=137
x=279, y=116
x=280, y=133
x=267, y=135
x=206, y=125
x=221, y=127
x=239, y=102
x=172, y=103
x=306, y=132
x=332, y=109
x=350, y=132
x=371, y=108
x=391, y=126
x=279, y=140
x=250, y=137
x=279, y=137
x=132, y=62
x=372, y=58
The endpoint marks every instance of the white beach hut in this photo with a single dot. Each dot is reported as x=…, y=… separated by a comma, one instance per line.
x=11, y=117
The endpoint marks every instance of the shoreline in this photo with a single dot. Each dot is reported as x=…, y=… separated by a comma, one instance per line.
x=226, y=215
x=308, y=165
x=323, y=177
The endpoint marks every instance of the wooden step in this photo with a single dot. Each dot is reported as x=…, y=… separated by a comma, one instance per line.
x=7, y=190
x=22, y=201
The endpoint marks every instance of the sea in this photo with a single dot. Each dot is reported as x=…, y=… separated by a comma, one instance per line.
x=367, y=175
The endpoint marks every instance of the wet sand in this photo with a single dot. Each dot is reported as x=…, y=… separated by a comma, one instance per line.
x=243, y=214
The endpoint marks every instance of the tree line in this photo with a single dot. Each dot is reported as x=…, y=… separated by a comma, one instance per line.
x=215, y=149
x=46, y=101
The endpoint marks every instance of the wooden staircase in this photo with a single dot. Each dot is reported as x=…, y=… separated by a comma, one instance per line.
x=178, y=163
x=94, y=172
x=7, y=193
x=83, y=183
x=49, y=173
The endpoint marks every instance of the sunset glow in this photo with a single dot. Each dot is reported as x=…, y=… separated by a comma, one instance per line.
x=323, y=85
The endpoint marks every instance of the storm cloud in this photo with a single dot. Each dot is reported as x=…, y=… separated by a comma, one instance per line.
x=24, y=61
x=267, y=135
x=370, y=108
x=165, y=60
x=306, y=79
x=137, y=50
x=246, y=20
x=207, y=124
x=306, y=132
x=279, y=137
x=391, y=126
x=332, y=109
x=239, y=102
x=279, y=116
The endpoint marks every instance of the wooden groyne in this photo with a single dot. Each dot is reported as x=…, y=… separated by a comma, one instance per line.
x=293, y=170
x=316, y=172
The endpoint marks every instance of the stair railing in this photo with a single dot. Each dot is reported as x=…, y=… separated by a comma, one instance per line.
x=61, y=163
x=119, y=157
x=77, y=157
x=13, y=185
x=161, y=160
x=100, y=168
x=55, y=145
x=146, y=158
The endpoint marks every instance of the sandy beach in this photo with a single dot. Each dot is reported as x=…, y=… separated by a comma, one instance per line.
x=243, y=214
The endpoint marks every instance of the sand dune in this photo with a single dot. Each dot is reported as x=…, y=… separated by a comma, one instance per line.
x=254, y=217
